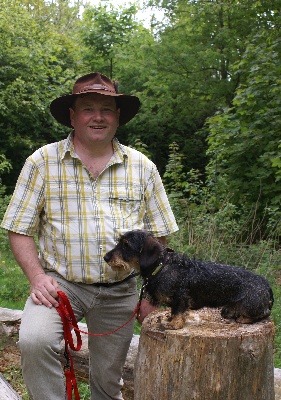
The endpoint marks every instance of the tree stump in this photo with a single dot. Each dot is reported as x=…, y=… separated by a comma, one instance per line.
x=211, y=358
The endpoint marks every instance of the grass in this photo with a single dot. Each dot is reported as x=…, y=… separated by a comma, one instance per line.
x=14, y=286
x=15, y=379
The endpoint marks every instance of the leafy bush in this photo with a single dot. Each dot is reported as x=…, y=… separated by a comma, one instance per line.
x=212, y=227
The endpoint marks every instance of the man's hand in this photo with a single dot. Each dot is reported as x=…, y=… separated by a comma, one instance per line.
x=43, y=290
x=145, y=308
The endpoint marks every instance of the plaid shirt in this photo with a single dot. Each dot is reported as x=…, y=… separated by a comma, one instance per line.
x=78, y=218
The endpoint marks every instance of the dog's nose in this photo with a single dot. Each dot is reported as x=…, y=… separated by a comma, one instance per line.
x=107, y=257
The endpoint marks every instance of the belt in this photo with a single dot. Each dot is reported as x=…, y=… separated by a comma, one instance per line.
x=107, y=284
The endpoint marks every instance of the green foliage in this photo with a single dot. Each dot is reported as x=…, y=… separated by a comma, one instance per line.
x=5, y=165
x=84, y=390
x=105, y=30
x=212, y=227
x=174, y=177
x=183, y=69
x=192, y=65
x=243, y=141
x=4, y=199
x=142, y=147
x=37, y=62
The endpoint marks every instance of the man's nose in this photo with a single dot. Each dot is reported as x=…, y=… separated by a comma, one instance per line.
x=97, y=115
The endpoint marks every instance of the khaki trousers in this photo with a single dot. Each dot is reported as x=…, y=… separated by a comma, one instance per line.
x=41, y=332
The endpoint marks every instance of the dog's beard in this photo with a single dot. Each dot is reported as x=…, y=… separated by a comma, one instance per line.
x=122, y=265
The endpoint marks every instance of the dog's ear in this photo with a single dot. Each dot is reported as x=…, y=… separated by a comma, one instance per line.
x=150, y=252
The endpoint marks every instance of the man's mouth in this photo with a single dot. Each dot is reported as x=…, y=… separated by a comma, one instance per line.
x=97, y=127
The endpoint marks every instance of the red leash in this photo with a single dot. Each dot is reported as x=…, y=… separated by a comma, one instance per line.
x=69, y=321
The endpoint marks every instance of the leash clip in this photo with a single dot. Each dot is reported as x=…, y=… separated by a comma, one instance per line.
x=145, y=283
x=67, y=364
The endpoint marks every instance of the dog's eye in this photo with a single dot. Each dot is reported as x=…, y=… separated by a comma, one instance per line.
x=126, y=245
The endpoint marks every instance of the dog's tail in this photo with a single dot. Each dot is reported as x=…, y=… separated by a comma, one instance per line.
x=271, y=298
x=267, y=311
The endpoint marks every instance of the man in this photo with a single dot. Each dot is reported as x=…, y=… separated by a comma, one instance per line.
x=78, y=196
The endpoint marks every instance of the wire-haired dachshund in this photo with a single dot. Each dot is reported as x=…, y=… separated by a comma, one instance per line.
x=174, y=280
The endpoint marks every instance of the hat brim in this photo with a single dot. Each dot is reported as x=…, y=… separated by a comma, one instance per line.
x=129, y=107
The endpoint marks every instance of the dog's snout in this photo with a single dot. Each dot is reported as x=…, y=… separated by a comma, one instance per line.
x=107, y=257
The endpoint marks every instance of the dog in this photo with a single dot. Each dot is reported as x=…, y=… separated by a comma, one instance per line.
x=174, y=280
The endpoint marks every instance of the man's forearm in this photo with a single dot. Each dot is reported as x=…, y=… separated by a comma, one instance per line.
x=43, y=288
x=26, y=254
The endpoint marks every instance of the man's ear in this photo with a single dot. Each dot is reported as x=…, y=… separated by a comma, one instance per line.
x=118, y=113
x=150, y=252
x=71, y=115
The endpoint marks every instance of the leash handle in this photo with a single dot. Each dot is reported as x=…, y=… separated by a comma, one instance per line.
x=68, y=318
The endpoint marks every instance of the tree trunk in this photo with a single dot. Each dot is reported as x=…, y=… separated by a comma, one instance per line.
x=209, y=359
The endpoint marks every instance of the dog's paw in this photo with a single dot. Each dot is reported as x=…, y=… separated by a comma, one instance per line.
x=228, y=313
x=177, y=322
x=244, y=320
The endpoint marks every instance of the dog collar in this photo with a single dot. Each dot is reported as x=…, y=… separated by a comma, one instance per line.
x=157, y=269
x=159, y=266
x=146, y=280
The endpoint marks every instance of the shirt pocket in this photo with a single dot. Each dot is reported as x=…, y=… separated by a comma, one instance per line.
x=127, y=206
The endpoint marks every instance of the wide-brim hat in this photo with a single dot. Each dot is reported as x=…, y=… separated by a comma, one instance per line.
x=94, y=83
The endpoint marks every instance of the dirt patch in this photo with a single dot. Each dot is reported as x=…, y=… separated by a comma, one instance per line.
x=10, y=355
x=10, y=364
x=10, y=352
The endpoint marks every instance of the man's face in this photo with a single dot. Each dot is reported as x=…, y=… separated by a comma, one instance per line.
x=95, y=118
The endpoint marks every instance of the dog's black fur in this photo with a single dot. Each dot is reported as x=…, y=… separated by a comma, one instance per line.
x=183, y=283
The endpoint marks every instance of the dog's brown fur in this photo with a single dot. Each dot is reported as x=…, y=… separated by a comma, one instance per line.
x=182, y=283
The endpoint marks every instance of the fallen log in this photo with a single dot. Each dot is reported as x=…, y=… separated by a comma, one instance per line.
x=81, y=357
x=6, y=390
x=209, y=359
x=9, y=321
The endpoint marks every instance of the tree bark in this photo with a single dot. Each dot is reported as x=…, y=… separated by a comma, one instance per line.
x=209, y=359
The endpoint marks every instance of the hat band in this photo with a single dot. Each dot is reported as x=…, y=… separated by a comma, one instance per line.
x=95, y=87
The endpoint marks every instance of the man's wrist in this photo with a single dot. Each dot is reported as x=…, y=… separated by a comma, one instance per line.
x=38, y=273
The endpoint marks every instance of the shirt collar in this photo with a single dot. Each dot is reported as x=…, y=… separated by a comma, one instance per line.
x=120, y=151
x=67, y=146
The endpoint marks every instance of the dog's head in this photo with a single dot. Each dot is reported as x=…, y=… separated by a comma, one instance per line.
x=135, y=249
